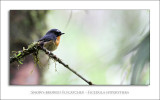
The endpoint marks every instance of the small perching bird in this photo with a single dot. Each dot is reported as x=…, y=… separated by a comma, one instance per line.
x=51, y=40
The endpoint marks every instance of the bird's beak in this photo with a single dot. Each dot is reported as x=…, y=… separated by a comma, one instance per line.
x=62, y=33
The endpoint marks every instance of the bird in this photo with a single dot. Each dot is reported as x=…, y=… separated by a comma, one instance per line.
x=51, y=40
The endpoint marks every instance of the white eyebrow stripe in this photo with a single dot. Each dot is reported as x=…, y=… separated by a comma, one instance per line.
x=58, y=30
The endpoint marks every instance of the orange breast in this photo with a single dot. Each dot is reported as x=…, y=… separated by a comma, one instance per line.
x=57, y=40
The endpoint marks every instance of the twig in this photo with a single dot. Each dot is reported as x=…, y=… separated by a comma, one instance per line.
x=37, y=47
x=69, y=19
x=65, y=65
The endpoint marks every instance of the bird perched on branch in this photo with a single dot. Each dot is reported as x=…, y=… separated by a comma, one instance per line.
x=51, y=40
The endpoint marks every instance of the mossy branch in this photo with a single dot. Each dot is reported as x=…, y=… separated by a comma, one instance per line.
x=34, y=48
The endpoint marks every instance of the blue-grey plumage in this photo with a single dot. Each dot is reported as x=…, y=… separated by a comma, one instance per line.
x=51, y=40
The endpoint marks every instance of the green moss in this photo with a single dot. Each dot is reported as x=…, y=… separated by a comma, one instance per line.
x=33, y=44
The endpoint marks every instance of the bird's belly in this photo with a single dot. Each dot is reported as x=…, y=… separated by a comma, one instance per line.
x=51, y=46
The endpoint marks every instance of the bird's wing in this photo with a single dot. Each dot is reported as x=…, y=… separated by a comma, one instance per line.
x=47, y=38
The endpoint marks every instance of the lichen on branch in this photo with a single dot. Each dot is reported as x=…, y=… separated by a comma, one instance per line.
x=33, y=49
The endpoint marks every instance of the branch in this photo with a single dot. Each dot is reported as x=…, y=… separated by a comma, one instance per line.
x=37, y=47
x=20, y=54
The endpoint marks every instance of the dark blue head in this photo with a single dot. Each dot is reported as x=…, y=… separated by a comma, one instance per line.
x=55, y=32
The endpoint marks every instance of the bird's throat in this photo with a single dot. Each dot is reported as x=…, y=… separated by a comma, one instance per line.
x=57, y=40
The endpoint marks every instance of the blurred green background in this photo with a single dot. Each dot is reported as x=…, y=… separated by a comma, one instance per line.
x=107, y=47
